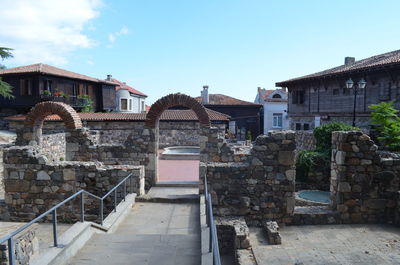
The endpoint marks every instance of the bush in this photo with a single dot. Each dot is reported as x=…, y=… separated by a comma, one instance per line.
x=88, y=103
x=307, y=160
x=323, y=135
x=384, y=116
x=249, y=136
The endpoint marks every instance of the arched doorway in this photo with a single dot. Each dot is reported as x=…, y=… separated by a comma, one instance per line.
x=152, y=122
x=35, y=118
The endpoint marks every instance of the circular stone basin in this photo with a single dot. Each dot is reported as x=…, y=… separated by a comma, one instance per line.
x=312, y=198
x=181, y=153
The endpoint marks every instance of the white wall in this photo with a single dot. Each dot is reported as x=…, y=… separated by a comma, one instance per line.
x=136, y=101
x=275, y=107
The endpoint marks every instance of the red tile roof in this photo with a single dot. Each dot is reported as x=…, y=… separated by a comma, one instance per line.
x=51, y=70
x=171, y=115
x=264, y=93
x=123, y=85
x=219, y=99
x=374, y=62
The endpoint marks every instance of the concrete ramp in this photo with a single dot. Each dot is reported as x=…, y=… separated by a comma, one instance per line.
x=151, y=234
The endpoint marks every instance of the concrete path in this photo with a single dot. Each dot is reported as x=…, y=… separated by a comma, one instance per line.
x=152, y=234
x=330, y=245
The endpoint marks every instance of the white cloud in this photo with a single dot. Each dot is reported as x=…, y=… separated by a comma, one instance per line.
x=112, y=37
x=46, y=30
x=90, y=62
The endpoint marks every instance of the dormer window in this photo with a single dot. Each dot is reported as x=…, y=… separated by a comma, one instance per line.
x=276, y=96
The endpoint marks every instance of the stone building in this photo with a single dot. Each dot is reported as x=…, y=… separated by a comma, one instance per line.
x=324, y=97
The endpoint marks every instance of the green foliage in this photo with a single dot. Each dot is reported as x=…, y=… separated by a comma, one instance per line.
x=323, y=135
x=5, y=53
x=384, y=116
x=5, y=90
x=249, y=136
x=88, y=103
x=308, y=160
x=62, y=158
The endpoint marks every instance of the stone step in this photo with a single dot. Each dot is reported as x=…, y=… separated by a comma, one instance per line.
x=315, y=215
x=188, y=184
x=171, y=195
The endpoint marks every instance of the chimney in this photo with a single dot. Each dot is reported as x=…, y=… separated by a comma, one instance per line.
x=204, y=95
x=349, y=60
x=109, y=77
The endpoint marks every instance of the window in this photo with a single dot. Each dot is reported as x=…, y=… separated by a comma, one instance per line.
x=298, y=126
x=142, y=105
x=25, y=87
x=74, y=90
x=298, y=97
x=276, y=96
x=48, y=85
x=306, y=126
x=124, y=104
x=277, y=120
x=130, y=104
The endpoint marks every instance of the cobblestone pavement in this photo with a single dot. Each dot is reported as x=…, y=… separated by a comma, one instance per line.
x=330, y=244
x=152, y=234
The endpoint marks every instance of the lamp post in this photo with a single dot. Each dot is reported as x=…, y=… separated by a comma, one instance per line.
x=360, y=84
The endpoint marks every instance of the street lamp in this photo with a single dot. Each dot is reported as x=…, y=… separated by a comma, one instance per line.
x=360, y=84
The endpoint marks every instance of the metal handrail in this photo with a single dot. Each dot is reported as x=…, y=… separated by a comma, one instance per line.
x=213, y=247
x=53, y=211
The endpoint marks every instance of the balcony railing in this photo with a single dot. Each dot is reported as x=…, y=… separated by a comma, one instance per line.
x=73, y=101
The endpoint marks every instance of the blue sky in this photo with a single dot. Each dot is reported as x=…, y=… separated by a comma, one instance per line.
x=162, y=47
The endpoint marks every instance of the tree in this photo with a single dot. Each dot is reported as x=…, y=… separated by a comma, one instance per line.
x=5, y=88
x=385, y=117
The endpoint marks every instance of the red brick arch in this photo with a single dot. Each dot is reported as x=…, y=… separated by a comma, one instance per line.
x=41, y=110
x=172, y=100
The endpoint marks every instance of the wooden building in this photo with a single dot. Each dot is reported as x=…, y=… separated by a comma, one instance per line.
x=323, y=97
x=244, y=116
x=38, y=82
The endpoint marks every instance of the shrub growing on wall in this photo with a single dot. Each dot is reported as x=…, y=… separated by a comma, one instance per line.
x=323, y=135
x=384, y=116
x=308, y=160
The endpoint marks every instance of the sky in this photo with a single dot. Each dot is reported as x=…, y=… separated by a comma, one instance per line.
x=168, y=46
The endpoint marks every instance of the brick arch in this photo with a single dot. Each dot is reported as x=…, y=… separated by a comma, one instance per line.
x=172, y=100
x=41, y=110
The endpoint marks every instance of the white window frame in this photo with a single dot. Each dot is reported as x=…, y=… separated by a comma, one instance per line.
x=120, y=104
x=276, y=117
x=130, y=104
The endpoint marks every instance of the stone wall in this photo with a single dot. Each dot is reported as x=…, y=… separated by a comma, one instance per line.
x=33, y=185
x=53, y=146
x=305, y=141
x=172, y=133
x=364, y=186
x=259, y=185
x=26, y=245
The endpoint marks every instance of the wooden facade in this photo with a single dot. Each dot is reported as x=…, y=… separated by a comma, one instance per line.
x=28, y=89
x=325, y=98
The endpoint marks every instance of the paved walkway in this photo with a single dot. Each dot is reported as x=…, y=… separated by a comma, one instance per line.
x=178, y=170
x=330, y=244
x=152, y=234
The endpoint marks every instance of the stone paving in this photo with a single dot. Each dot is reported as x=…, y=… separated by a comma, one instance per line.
x=329, y=244
x=152, y=234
